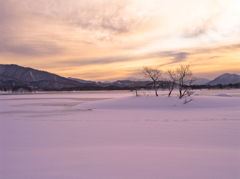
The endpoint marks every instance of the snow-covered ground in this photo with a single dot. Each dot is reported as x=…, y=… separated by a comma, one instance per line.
x=114, y=135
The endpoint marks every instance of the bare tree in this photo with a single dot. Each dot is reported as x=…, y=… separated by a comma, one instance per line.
x=153, y=73
x=185, y=79
x=172, y=82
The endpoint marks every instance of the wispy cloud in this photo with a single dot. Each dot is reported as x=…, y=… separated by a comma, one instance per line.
x=176, y=57
x=30, y=49
x=179, y=57
x=204, y=25
x=96, y=61
x=196, y=32
x=218, y=49
x=65, y=23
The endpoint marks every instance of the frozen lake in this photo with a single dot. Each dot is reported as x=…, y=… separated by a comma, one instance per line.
x=101, y=135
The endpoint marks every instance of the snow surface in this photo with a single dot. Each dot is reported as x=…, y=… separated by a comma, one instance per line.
x=101, y=135
x=224, y=95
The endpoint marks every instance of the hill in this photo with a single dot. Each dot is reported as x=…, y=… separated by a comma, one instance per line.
x=225, y=79
x=201, y=81
x=13, y=75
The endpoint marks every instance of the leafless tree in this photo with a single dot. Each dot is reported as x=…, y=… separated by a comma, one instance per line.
x=153, y=73
x=172, y=81
x=185, y=79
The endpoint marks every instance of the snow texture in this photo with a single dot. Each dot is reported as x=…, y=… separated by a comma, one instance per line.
x=115, y=135
x=32, y=76
x=224, y=95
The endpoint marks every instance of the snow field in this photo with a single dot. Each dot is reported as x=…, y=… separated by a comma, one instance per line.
x=85, y=135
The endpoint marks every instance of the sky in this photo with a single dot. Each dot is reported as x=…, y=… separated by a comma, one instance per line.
x=114, y=39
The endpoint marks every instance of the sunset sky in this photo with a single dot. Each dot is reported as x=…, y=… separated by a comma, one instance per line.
x=114, y=39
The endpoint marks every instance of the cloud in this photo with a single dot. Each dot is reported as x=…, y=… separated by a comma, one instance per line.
x=208, y=22
x=214, y=57
x=115, y=32
x=199, y=28
x=48, y=26
x=19, y=33
x=110, y=18
x=30, y=49
x=105, y=16
x=198, y=31
x=98, y=61
x=174, y=56
x=218, y=49
x=177, y=57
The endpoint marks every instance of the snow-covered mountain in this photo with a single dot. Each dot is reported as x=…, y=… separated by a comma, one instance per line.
x=225, y=79
x=14, y=75
x=81, y=81
x=201, y=81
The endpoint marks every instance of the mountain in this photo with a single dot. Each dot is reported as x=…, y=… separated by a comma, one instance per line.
x=82, y=81
x=119, y=83
x=14, y=75
x=137, y=79
x=225, y=79
x=201, y=81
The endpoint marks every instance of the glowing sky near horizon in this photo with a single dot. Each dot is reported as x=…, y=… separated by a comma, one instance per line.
x=113, y=39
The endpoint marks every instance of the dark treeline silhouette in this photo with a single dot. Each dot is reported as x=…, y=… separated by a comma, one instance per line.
x=219, y=86
x=81, y=88
x=164, y=85
x=21, y=89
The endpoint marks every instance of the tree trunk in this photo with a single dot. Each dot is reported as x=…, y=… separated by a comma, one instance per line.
x=180, y=93
x=170, y=89
x=154, y=85
x=169, y=94
x=156, y=92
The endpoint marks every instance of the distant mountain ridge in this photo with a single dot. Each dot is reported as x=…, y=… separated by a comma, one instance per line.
x=225, y=79
x=82, y=81
x=137, y=79
x=14, y=75
x=201, y=81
